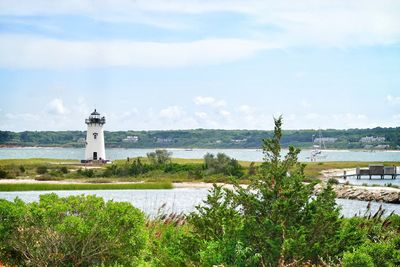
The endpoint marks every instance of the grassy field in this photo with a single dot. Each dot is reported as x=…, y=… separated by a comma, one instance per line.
x=52, y=187
x=13, y=167
x=36, y=161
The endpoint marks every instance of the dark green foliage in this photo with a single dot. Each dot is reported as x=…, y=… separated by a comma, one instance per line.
x=41, y=169
x=175, y=167
x=72, y=231
x=64, y=170
x=201, y=138
x=170, y=241
x=3, y=174
x=273, y=221
x=130, y=168
x=22, y=168
x=222, y=164
x=333, y=181
x=252, y=169
x=86, y=172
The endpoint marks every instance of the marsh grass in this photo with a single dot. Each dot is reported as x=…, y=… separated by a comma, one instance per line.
x=92, y=186
x=13, y=169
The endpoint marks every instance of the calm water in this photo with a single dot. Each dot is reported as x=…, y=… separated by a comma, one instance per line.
x=240, y=154
x=376, y=180
x=182, y=200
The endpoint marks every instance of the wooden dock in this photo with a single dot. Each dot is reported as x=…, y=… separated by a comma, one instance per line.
x=373, y=171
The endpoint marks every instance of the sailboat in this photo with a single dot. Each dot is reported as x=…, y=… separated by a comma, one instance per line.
x=316, y=152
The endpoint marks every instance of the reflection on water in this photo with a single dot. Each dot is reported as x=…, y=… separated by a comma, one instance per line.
x=180, y=200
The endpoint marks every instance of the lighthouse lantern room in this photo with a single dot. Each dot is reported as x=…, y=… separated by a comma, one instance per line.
x=95, y=150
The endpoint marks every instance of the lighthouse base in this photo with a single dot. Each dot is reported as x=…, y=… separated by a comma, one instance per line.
x=95, y=162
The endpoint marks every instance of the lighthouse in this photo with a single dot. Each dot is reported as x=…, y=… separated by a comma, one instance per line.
x=95, y=149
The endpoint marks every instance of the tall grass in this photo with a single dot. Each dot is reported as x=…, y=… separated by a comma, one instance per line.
x=53, y=187
x=36, y=161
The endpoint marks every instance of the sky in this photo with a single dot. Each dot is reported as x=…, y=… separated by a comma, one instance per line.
x=188, y=64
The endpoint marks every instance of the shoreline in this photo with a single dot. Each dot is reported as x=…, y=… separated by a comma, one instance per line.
x=194, y=148
x=358, y=192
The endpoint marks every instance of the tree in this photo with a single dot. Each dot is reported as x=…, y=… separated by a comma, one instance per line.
x=222, y=164
x=159, y=157
x=273, y=221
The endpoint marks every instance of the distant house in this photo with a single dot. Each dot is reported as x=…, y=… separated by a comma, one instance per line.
x=131, y=139
x=164, y=140
x=239, y=141
x=372, y=139
x=325, y=140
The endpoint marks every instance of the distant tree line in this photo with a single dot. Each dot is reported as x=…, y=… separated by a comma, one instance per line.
x=202, y=138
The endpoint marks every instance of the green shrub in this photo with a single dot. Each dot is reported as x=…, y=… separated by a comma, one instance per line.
x=64, y=170
x=222, y=164
x=357, y=259
x=130, y=169
x=252, y=169
x=333, y=181
x=41, y=169
x=175, y=167
x=86, y=172
x=168, y=244
x=22, y=169
x=380, y=253
x=275, y=220
x=159, y=157
x=3, y=174
x=196, y=174
x=72, y=231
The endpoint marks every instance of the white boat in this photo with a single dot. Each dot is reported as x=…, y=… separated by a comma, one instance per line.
x=317, y=151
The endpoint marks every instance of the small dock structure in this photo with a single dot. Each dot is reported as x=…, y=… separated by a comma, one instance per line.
x=374, y=170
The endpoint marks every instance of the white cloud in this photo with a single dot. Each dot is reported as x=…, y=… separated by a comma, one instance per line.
x=247, y=110
x=173, y=112
x=396, y=118
x=307, y=22
x=56, y=106
x=83, y=107
x=393, y=100
x=298, y=23
x=22, y=116
x=225, y=113
x=25, y=51
x=338, y=121
x=312, y=116
x=305, y=103
x=209, y=101
x=201, y=115
x=349, y=116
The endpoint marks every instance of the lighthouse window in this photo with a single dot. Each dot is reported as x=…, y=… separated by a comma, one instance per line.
x=95, y=135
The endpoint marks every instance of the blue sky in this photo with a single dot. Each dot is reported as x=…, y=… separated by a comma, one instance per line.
x=183, y=64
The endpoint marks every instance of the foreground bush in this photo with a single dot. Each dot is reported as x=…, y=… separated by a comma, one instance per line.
x=72, y=231
x=274, y=221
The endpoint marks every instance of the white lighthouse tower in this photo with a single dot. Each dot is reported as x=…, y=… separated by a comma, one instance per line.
x=95, y=137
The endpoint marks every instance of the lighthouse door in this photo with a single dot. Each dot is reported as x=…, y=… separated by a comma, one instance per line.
x=94, y=155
